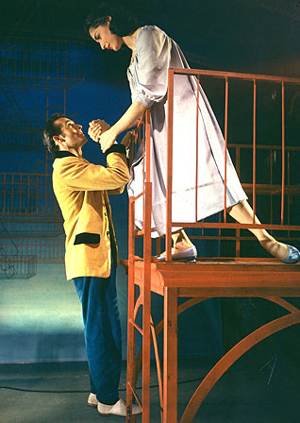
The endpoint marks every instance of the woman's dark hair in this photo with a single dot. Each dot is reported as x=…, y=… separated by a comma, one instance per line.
x=51, y=129
x=122, y=22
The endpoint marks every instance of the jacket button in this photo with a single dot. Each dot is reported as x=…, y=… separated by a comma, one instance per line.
x=105, y=214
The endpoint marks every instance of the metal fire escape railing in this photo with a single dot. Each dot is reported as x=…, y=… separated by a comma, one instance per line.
x=141, y=274
x=35, y=75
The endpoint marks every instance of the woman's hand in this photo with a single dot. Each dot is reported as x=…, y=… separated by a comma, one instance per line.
x=107, y=139
x=96, y=128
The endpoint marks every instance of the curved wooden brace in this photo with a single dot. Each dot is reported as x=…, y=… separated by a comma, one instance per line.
x=190, y=303
x=231, y=357
x=159, y=327
x=138, y=360
x=283, y=303
x=138, y=304
x=158, y=365
x=183, y=307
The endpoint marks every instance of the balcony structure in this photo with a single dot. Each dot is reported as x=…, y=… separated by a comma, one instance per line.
x=272, y=166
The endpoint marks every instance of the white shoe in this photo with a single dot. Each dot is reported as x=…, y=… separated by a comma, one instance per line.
x=92, y=400
x=118, y=409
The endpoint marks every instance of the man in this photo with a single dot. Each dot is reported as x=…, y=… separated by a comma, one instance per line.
x=82, y=189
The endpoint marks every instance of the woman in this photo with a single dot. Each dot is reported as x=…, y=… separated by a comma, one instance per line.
x=153, y=52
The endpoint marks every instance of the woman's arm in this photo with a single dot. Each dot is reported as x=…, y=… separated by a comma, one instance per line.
x=128, y=120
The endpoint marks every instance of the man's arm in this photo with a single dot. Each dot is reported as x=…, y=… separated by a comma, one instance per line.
x=81, y=175
x=126, y=141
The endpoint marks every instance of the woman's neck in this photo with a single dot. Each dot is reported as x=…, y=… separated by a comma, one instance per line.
x=130, y=40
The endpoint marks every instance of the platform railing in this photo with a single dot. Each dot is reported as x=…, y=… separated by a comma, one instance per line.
x=285, y=189
x=31, y=222
x=285, y=152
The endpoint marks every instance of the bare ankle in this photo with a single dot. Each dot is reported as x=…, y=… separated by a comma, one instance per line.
x=182, y=245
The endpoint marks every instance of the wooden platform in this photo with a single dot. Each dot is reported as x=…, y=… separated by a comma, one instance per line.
x=199, y=281
x=224, y=277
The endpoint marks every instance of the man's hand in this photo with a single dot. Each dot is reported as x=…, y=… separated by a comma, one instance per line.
x=97, y=128
x=128, y=139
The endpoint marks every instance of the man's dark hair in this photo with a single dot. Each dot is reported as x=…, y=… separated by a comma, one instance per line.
x=51, y=129
x=122, y=22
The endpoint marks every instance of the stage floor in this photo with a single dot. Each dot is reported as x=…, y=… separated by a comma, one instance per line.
x=248, y=393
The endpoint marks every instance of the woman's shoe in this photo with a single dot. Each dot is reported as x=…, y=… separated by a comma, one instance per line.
x=293, y=256
x=187, y=255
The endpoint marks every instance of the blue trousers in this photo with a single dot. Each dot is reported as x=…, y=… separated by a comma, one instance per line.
x=102, y=331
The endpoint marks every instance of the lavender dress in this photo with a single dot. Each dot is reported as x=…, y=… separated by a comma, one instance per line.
x=147, y=75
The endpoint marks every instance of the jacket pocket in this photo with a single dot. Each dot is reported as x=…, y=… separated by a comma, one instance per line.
x=87, y=238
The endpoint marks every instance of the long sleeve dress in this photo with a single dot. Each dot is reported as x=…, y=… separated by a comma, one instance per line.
x=147, y=74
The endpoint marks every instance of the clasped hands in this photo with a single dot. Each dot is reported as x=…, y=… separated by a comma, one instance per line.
x=101, y=132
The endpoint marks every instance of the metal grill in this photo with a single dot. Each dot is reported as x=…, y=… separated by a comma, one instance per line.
x=17, y=267
x=40, y=63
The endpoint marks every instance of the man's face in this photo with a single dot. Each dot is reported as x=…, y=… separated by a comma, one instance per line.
x=71, y=136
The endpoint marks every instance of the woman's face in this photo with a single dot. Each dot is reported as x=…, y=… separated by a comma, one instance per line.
x=103, y=36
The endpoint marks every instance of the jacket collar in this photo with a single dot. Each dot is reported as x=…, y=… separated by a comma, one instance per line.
x=62, y=153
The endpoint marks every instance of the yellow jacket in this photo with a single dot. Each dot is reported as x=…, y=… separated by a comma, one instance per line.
x=81, y=189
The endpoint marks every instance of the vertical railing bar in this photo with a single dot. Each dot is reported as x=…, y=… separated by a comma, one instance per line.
x=47, y=107
x=146, y=288
x=28, y=195
x=254, y=151
x=283, y=150
x=70, y=67
x=144, y=153
x=225, y=152
x=65, y=64
x=238, y=232
x=288, y=181
x=36, y=194
x=148, y=145
x=197, y=146
x=238, y=243
x=271, y=182
x=65, y=100
x=12, y=193
x=57, y=59
x=4, y=191
x=146, y=292
x=31, y=59
x=169, y=164
x=20, y=193
x=238, y=161
x=40, y=61
x=157, y=246
x=131, y=333
x=238, y=170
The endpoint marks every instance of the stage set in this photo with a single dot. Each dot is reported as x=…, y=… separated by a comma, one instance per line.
x=235, y=356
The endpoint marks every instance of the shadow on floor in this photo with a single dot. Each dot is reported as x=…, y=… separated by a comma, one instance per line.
x=250, y=392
